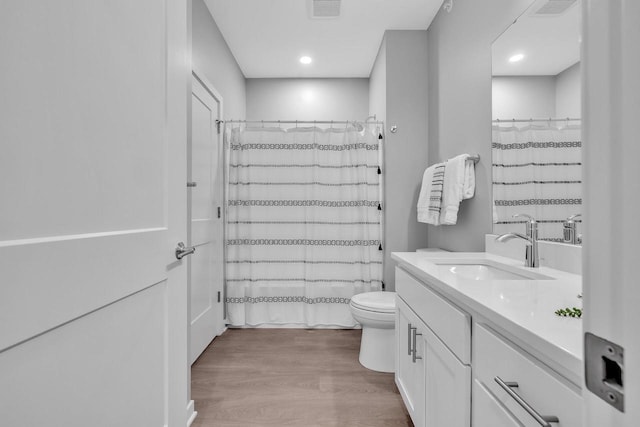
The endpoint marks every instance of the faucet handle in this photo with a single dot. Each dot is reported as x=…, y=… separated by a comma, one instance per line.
x=531, y=226
x=523, y=215
x=572, y=217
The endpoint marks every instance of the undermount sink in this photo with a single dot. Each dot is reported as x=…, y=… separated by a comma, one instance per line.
x=487, y=270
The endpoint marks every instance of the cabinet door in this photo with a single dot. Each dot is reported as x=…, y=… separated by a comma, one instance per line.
x=409, y=374
x=448, y=385
x=487, y=411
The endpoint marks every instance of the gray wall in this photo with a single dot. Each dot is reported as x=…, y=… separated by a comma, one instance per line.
x=568, y=92
x=523, y=97
x=378, y=84
x=307, y=99
x=212, y=57
x=398, y=94
x=459, y=58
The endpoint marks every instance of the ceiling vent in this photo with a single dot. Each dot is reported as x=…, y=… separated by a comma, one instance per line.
x=554, y=7
x=325, y=8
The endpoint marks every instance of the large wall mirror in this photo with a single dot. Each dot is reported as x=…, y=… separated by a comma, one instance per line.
x=536, y=138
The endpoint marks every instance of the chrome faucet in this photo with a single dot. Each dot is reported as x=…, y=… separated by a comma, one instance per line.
x=570, y=232
x=532, y=259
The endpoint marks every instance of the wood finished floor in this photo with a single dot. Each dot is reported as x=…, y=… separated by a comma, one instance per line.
x=292, y=377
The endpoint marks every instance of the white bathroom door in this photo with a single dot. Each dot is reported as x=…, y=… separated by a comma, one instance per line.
x=611, y=154
x=205, y=217
x=93, y=303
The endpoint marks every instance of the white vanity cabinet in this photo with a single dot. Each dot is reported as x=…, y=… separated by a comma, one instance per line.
x=434, y=382
x=502, y=385
x=511, y=388
x=410, y=373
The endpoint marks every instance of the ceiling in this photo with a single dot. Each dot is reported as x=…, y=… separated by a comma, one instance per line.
x=550, y=43
x=267, y=37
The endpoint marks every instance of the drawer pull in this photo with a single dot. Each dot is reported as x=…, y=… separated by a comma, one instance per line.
x=415, y=335
x=409, y=339
x=543, y=420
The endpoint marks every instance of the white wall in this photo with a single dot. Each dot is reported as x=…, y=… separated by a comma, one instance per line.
x=211, y=57
x=459, y=77
x=398, y=90
x=307, y=99
x=568, y=92
x=523, y=97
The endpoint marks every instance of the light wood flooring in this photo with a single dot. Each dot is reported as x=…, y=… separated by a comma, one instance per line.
x=292, y=377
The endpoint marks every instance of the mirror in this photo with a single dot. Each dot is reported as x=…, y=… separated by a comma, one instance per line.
x=536, y=136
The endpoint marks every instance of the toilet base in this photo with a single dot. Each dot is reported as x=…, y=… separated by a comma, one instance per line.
x=377, y=349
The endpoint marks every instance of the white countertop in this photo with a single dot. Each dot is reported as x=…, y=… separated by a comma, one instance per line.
x=524, y=309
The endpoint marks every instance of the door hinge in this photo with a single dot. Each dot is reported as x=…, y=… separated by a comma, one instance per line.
x=219, y=296
x=219, y=212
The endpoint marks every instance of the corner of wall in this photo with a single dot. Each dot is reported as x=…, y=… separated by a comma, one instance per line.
x=459, y=58
x=212, y=56
x=399, y=87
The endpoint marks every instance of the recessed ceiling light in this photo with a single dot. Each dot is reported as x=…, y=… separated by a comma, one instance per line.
x=516, y=58
x=305, y=60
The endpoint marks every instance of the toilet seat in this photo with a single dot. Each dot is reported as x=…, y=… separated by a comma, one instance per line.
x=379, y=302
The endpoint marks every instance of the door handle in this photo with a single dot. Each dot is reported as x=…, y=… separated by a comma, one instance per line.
x=182, y=250
x=409, y=328
x=415, y=336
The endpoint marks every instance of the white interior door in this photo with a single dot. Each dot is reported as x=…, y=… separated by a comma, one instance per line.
x=611, y=152
x=205, y=217
x=93, y=307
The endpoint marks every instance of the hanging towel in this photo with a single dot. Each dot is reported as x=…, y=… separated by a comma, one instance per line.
x=459, y=184
x=430, y=199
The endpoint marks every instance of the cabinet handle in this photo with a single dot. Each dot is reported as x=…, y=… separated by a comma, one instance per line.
x=409, y=339
x=415, y=334
x=543, y=420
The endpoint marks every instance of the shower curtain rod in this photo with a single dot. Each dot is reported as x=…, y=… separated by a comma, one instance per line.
x=534, y=120
x=324, y=122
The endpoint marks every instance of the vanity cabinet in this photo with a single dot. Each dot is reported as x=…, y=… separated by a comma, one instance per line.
x=503, y=385
x=410, y=372
x=433, y=381
x=512, y=388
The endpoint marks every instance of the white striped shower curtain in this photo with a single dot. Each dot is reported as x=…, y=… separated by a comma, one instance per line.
x=537, y=170
x=303, y=223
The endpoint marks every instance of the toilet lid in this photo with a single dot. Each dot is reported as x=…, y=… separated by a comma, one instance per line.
x=375, y=301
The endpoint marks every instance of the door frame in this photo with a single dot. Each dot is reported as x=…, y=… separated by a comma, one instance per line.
x=610, y=107
x=209, y=87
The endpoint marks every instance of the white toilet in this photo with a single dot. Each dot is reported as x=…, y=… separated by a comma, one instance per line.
x=375, y=311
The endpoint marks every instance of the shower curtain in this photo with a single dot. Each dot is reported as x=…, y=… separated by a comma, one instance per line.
x=537, y=170
x=303, y=223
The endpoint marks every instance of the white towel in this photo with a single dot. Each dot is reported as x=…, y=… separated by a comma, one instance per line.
x=430, y=198
x=459, y=184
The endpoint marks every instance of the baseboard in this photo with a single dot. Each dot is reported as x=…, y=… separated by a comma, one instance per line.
x=291, y=326
x=191, y=413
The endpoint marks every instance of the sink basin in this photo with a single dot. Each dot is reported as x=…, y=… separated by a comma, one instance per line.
x=487, y=270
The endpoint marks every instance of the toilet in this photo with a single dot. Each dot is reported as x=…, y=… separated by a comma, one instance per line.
x=376, y=312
